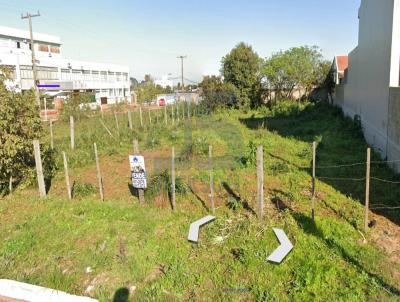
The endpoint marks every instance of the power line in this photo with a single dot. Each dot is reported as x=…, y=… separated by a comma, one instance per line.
x=194, y=82
x=95, y=36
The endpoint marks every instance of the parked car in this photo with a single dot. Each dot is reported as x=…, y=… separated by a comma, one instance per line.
x=161, y=102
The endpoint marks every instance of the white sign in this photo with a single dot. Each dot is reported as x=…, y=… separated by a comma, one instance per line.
x=138, y=171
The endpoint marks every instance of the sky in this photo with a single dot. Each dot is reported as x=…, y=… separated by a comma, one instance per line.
x=149, y=35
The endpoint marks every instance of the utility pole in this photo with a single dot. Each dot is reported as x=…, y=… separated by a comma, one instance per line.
x=182, y=57
x=29, y=16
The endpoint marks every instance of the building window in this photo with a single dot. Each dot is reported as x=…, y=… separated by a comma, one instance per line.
x=47, y=73
x=76, y=75
x=86, y=75
x=65, y=74
x=54, y=49
x=103, y=75
x=43, y=47
x=125, y=76
x=95, y=75
x=18, y=44
x=111, y=76
x=26, y=72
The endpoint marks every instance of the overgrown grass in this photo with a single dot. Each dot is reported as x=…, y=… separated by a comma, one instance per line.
x=52, y=242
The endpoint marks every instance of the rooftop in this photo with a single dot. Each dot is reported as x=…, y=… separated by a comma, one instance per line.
x=24, y=34
x=342, y=63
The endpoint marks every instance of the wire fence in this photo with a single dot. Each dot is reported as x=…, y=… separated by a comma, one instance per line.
x=359, y=166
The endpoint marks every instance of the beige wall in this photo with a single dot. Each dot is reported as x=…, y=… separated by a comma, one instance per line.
x=393, y=144
x=373, y=68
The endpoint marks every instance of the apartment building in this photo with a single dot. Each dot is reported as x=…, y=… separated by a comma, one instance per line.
x=57, y=75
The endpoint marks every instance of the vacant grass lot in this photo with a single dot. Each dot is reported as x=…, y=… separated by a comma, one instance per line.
x=104, y=249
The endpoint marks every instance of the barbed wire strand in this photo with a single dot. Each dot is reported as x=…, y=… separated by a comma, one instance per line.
x=385, y=180
x=341, y=178
x=340, y=166
x=384, y=208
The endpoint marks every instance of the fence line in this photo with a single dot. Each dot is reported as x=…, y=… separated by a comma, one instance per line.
x=384, y=208
x=341, y=178
x=385, y=180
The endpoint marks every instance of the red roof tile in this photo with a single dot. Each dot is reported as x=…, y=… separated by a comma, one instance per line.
x=342, y=62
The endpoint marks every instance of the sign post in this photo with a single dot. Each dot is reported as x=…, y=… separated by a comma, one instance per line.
x=138, y=174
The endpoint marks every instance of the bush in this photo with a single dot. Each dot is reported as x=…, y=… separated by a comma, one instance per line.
x=84, y=189
x=163, y=182
x=250, y=157
x=49, y=164
x=19, y=126
x=289, y=108
x=217, y=94
x=71, y=106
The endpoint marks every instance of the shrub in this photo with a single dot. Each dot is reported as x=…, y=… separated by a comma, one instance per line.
x=234, y=204
x=163, y=182
x=217, y=94
x=84, y=189
x=250, y=157
x=19, y=125
x=71, y=106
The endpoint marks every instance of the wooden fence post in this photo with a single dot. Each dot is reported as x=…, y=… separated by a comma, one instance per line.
x=313, y=180
x=10, y=185
x=210, y=163
x=99, y=178
x=67, y=176
x=39, y=169
x=51, y=134
x=130, y=119
x=141, y=116
x=136, y=151
x=173, y=179
x=72, y=131
x=165, y=114
x=116, y=122
x=260, y=182
x=149, y=116
x=367, y=180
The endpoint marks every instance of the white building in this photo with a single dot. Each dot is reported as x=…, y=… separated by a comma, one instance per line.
x=164, y=82
x=57, y=75
x=370, y=87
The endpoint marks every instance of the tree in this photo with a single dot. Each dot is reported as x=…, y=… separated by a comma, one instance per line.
x=297, y=68
x=217, y=94
x=19, y=125
x=241, y=68
x=133, y=83
x=147, y=90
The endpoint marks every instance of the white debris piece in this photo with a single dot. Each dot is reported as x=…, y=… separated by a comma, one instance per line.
x=194, y=227
x=88, y=270
x=32, y=293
